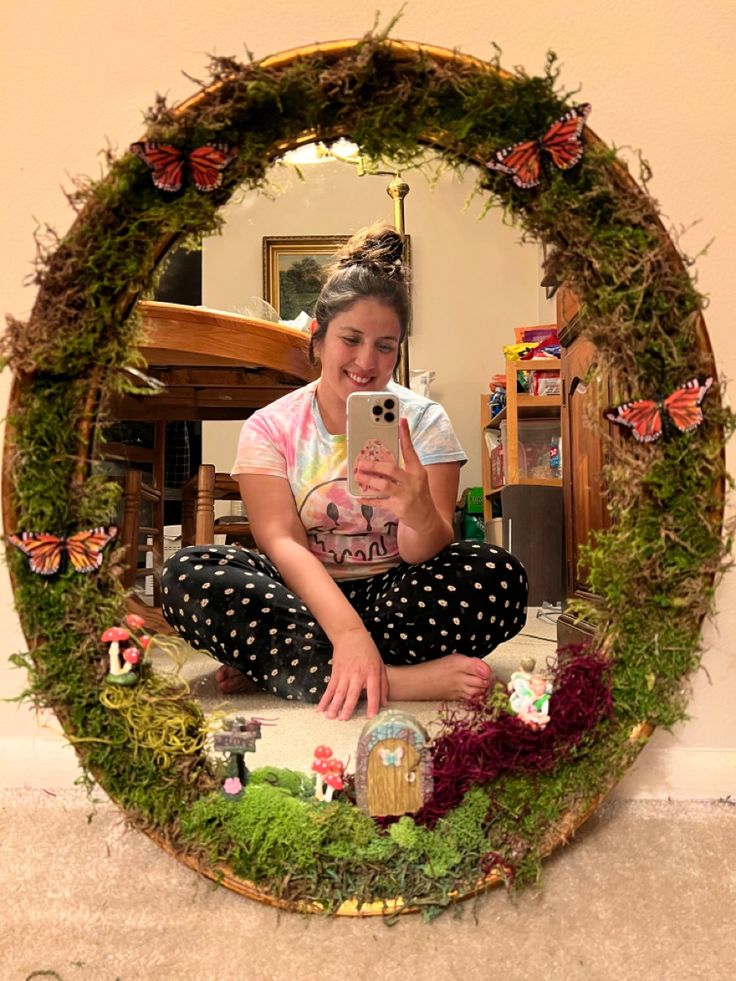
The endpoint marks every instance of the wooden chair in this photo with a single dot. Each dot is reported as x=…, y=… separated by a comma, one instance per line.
x=198, y=496
x=142, y=539
x=139, y=487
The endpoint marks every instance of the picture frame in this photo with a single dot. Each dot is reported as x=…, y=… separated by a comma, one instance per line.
x=295, y=266
x=294, y=269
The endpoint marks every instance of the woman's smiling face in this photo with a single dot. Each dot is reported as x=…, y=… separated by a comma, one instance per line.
x=359, y=351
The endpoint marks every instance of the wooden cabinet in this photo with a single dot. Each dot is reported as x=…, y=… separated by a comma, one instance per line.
x=585, y=394
x=582, y=458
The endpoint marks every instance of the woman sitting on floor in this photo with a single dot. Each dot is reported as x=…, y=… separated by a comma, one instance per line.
x=350, y=595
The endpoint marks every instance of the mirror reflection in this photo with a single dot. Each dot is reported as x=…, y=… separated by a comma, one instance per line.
x=474, y=286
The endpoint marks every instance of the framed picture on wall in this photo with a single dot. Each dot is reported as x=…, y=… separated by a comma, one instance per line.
x=295, y=267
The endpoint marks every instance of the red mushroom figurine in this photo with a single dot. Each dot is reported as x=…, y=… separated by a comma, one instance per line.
x=119, y=674
x=334, y=782
x=131, y=655
x=321, y=767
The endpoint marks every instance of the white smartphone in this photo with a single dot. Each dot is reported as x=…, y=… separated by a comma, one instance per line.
x=373, y=433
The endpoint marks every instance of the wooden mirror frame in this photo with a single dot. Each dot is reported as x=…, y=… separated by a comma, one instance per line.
x=638, y=306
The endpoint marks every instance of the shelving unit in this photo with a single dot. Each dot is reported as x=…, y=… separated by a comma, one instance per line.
x=518, y=406
x=530, y=507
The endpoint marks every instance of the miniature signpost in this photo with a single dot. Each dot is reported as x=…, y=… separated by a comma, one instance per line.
x=238, y=738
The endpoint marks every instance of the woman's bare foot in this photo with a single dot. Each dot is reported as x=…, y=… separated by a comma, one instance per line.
x=452, y=678
x=234, y=682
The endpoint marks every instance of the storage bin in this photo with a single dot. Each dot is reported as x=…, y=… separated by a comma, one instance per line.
x=494, y=532
x=533, y=531
x=474, y=500
x=539, y=449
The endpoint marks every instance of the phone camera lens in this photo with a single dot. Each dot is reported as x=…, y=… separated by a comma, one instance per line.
x=389, y=416
x=388, y=404
x=376, y=410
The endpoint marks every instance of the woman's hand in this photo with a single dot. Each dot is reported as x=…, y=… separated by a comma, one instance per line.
x=422, y=498
x=356, y=667
x=405, y=491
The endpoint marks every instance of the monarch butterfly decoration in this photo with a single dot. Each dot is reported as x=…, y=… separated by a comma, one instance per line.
x=46, y=552
x=648, y=419
x=171, y=166
x=562, y=144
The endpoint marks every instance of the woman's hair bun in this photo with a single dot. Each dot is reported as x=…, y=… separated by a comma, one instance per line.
x=367, y=267
x=379, y=246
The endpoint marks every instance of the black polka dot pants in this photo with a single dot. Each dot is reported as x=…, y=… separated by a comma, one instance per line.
x=232, y=603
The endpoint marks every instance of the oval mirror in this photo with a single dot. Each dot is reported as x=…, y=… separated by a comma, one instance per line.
x=651, y=570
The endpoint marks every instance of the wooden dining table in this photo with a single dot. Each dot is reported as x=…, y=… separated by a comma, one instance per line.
x=212, y=364
x=207, y=365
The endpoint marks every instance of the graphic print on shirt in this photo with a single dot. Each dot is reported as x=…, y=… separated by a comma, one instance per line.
x=337, y=526
x=287, y=439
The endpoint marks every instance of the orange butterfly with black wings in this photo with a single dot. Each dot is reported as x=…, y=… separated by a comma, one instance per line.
x=169, y=165
x=649, y=418
x=562, y=143
x=46, y=551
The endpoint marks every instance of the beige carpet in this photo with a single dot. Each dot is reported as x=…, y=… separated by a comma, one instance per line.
x=648, y=890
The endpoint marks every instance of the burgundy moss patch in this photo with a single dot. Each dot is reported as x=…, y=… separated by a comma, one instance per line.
x=479, y=745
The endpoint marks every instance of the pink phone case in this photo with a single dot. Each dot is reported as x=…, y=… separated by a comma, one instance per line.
x=373, y=433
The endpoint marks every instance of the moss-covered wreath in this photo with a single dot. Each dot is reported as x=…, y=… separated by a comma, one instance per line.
x=655, y=569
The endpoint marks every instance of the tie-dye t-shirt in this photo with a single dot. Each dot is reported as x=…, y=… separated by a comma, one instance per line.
x=288, y=439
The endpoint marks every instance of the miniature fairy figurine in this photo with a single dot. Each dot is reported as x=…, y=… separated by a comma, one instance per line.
x=529, y=695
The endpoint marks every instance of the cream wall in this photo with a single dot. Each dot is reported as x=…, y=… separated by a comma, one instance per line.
x=471, y=278
x=660, y=76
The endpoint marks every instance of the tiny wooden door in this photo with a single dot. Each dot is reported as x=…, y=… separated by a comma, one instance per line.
x=394, y=778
